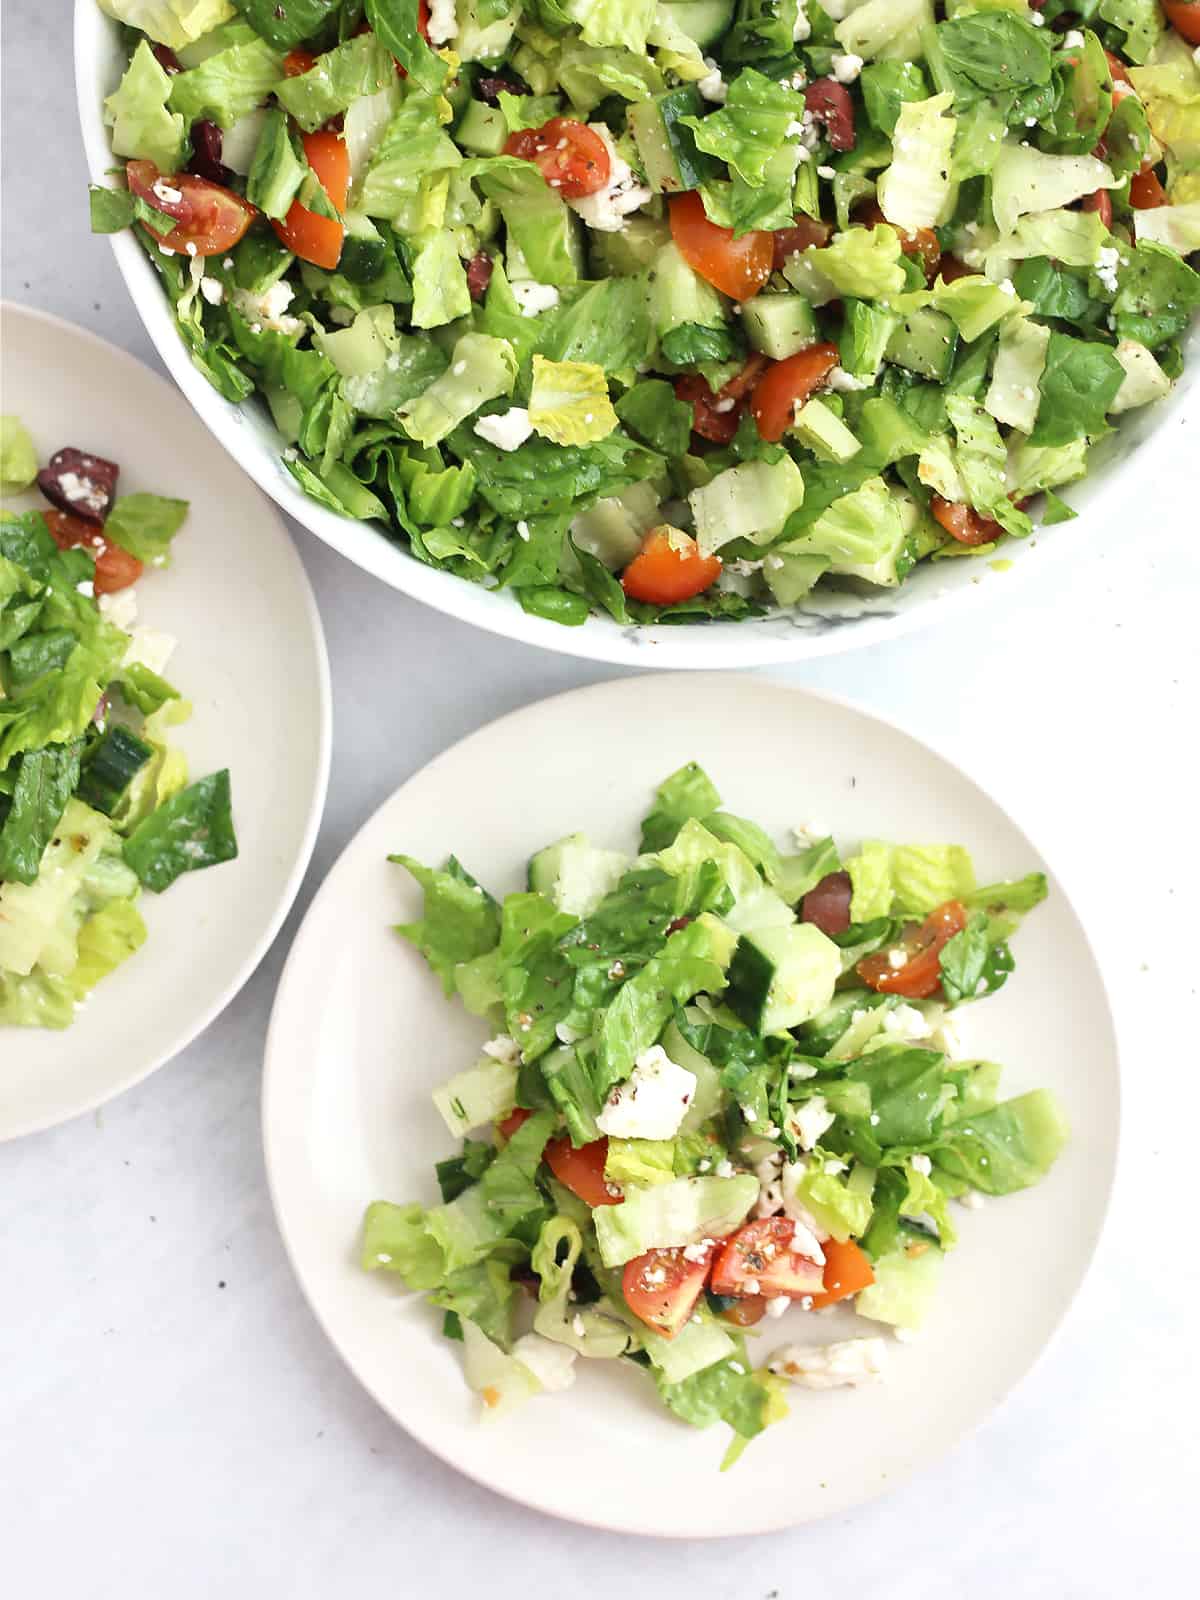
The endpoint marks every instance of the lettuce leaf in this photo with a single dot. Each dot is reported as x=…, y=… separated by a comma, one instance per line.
x=460, y=921
x=752, y=125
x=569, y=403
x=142, y=126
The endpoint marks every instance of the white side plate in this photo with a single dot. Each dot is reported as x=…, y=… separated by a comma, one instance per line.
x=251, y=658
x=361, y=1032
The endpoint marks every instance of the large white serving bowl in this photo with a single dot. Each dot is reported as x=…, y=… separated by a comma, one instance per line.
x=1143, y=444
x=361, y=1033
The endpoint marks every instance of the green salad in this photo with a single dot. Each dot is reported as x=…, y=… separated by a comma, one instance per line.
x=724, y=1082
x=95, y=803
x=676, y=310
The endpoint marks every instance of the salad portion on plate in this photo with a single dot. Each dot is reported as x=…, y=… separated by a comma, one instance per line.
x=95, y=803
x=681, y=310
x=723, y=1084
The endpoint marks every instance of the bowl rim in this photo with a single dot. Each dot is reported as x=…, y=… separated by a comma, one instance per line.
x=712, y=646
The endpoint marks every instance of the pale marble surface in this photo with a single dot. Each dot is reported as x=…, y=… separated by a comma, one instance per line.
x=174, y=1422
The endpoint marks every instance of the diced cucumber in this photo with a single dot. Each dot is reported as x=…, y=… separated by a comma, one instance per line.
x=112, y=765
x=780, y=977
x=629, y=250
x=576, y=874
x=702, y=20
x=670, y=157
x=679, y=296
x=483, y=129
x=825, y=434
x=542, y=872
x=364, y=254
x=925, y=342
x=779, y=324
x=478, y=39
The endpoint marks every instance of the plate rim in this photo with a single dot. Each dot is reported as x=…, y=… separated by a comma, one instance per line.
x=601, y=638
x=273, y=1072
x=316, y=810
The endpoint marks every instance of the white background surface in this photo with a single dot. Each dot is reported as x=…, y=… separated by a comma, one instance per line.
x=172, y=1422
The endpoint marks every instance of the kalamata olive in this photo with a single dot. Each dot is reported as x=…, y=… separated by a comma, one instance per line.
x=82, y=484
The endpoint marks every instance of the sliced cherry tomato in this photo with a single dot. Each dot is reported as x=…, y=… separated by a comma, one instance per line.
x=513, y=1121
x=805, y=232
x=1116, y=66
x=716, y=416
x=759, y=1259
x=847, y=1270
x=572, y=157
x=210, y=219
x=919, y=975
x=963, y=523
x=297, y=62
x=1100, y=202
x=310, y=236
x=582, y=1170
x=1146, y=193
x=787, y=384
x=746, y=1311
x=669, y=568
x=115, y=568
x=827, y=904
x=738, y=267
x=923, y=243
x=1184, y=17
x=829, y=101
x=662, y=1286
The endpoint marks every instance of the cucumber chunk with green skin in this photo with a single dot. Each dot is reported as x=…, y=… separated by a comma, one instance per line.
x=925, y=342
x=483, y=129
x=628, y=251
x=825, y=434
x=678, y=296
x=779, y=325
x=668, y=148
x=111, y=767
x=542, y=871
x=705, y=21
x=364, y=254
x=780, y=977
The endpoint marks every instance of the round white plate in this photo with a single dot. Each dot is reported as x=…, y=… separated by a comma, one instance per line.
x=250, y=657
x=1147, y=441
x=361, y=1033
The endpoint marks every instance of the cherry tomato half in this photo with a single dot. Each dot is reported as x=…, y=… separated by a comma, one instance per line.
x=919, y=975
x=669, y=568
x=738, y=267
x=210, y=219
x=1184, y=17
x=572, y=157
x=788, y=384
x=582, y=1170
x=115, y=568
x=715, y=417
x=805, y=233
x=963, y=523
x=759, y=1259
x=662, y=1286
x=310, y=236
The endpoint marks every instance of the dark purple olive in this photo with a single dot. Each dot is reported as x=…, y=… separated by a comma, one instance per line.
x=166, y=58
x=80, y=483
x=479, y=274
x=206, y=154
x=491, y=87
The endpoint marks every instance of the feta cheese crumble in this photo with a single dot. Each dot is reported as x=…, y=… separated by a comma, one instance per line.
x=551, y=1363
x=830, y=1366
x=502, y=1048
x=712, y=86
x=534, y=297
x=653, y=1100
x=607, y=209
x=506, y=431
x=847, y=68
x=268, y=309
x=810, y=1120
x=443, y=23
x=120, y=609
x=1108, y=262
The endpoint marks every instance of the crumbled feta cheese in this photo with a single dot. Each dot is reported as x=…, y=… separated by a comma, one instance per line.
x=712, y=86
x=1008, y=287
x=828, y=173
x=750, y=1286
x=972, y=1200
x=807, y=833
x=835, y=10
x=906, y=1022
x=150, y=649
x=212, y=290
x=852, y=1361
x=843, y=382
x=725, y=1169
x=87, y=588
x=269, y=308
x=534, y=297
x=810, y=1120
x=606, y=210
x=1107, y=265
x=1073, y=40
x=833, y=1166
x=897, y=959
x=502, y=1048
x=523, y=533
x=563, y=1031
x=777, y=1305
x=846, y=68
x=578, y=1326
x=653, y=1100
x=120, y=609
x=82, y=491
x=551, y=1363
x=506, y=431
x=698, y=1251
x=443, y=23
x=802, y=27
x=921, y=1164
x=162, y=190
